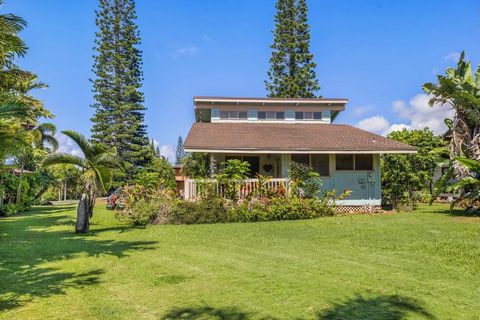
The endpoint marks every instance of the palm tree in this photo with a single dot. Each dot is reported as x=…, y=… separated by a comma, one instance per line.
x=460, y=90
x=98, y=164
x=42, y=137
x=11, y=45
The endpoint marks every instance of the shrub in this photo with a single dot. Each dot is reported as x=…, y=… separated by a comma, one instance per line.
x=142, y=206
x=11, y=209
x=304, y=180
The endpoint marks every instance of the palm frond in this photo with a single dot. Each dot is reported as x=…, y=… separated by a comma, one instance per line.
x=12, y=110
x=82, y=143
x=64, y=158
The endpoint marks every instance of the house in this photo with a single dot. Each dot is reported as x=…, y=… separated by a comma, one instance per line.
x=270, y=133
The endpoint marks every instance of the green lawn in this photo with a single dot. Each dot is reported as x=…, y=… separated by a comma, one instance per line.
x=421, y=265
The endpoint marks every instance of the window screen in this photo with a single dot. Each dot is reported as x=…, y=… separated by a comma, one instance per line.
x=233, y=115
x=308, y=115
x=280, y=115
x=262, y=115
x=223, y=114
x=317, y=115
x=271, y=115
x=299, y=115
x=320, y=163
x=344, y=161
x=301, y=158
x=363, y=162
x=242, y=115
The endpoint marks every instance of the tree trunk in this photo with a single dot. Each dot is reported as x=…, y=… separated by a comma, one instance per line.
x=83, y=214
x=19, y=188
x=65, y=191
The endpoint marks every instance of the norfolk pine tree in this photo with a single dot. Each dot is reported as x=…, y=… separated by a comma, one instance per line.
x=292, y=69
x=118, y=119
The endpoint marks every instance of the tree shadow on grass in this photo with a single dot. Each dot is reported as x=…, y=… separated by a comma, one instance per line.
x=29, y=241
x=392, y=307
x=207, y=312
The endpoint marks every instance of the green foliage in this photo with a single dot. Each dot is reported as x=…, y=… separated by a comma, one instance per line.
x=119, y=112
x=142, y=206
x=231, y=176
x=468, y=187
x=304, y=180
x=157, y=174
x=292, y=69
x=459, y=88
x=196, y=165
x=405, y=174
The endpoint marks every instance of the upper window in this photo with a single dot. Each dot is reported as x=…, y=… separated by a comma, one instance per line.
x=360, y=162
x=233, y=115
x=299, y=115
x=271, y=115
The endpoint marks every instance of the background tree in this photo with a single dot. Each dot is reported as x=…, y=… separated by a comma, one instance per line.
x=180, y=153
x=158, y=173
x=404, y=174
x=292, y=68
x=119, y=112
x=98, y=164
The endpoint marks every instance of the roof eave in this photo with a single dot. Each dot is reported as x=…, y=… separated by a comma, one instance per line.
x=289, y=151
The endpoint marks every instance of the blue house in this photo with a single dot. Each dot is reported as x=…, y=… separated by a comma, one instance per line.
x=270, y=133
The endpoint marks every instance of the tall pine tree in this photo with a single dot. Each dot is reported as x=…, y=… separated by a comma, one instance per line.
x=180, y=154
x=118, y=120
x=292, y=69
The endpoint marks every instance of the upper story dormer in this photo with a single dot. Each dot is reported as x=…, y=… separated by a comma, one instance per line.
x=271, y=110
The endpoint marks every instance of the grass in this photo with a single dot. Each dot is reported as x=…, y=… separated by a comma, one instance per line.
x=420, y=265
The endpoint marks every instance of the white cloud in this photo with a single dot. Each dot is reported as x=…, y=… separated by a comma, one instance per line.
x=376, y=124
x=361, y=110
x=395, y=127
x=421, y=115
x=166, y=150
x=178, y=50
x=67, y=145
x=417, y=114
x=452, y=56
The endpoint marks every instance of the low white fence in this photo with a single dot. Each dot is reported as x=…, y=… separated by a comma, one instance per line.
x=193, y=187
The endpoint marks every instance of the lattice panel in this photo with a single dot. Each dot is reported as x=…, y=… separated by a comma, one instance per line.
x=357, y=209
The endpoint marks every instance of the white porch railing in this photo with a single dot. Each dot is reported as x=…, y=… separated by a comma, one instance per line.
x=193, y=188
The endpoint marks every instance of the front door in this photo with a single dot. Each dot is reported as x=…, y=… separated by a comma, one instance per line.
x=254, y=165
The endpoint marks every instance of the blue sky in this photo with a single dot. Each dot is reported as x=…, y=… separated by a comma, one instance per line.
x=376, y=53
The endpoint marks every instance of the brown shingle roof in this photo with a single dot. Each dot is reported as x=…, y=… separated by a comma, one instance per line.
x=288, y=137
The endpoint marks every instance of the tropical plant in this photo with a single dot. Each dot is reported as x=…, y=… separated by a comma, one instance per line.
x=196, y=165
x=468, y=187
x=98, y=165
x=231, y=176
x=304, y=180
x=11, y=45
x=460, y=90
